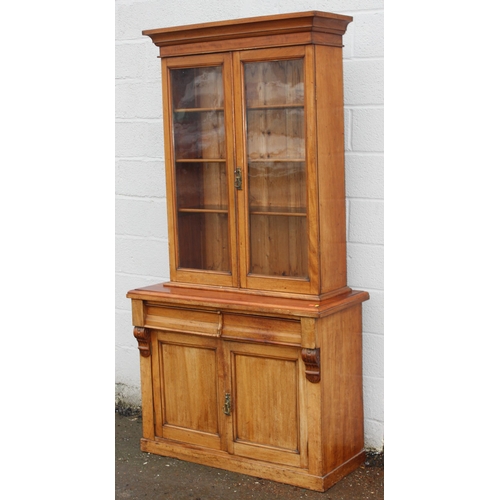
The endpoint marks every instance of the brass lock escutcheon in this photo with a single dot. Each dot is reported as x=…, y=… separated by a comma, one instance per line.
x=227, y=404
x=238, y=179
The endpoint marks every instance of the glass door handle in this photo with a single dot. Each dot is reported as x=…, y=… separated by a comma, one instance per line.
x=238, y=179
x=227, y=404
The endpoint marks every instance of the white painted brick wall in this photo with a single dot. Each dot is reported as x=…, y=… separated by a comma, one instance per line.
x=141, y=217
x=141, y=177
x=141, y=233
x=366, y=218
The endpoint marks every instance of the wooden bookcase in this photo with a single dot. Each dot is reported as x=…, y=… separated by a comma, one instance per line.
x=251, y=353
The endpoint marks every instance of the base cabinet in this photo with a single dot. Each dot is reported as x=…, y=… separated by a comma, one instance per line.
x=229, y=396
x=271, y=389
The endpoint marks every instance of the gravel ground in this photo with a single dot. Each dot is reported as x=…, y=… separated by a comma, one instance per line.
x=144, y=475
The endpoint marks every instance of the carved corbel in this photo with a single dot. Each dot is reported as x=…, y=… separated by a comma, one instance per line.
x=143, y=336
x=311, y=359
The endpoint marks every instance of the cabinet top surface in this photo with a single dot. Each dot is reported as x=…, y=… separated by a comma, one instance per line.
x=238, y=300
x=251, y=27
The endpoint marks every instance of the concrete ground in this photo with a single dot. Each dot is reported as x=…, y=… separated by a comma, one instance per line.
x=140, y=475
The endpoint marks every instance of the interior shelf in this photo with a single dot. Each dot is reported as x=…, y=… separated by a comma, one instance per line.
x=285, y=211
x=197, y=110
x=206, y=210
x=200, y=160
x=274, y=106
x=276, y=160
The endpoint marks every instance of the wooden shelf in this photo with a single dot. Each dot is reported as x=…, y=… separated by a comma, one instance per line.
x=200, y=160
x=197, y=110
x=206, y=210
x=275, y=106
x=281, y=211
x=276, y=160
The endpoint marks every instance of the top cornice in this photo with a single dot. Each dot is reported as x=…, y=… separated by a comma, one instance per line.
x=301, y=25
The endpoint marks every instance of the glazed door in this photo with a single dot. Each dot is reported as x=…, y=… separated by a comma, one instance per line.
x=200, y=164
x=267, y=409
x=187, y=388
x=275, y=153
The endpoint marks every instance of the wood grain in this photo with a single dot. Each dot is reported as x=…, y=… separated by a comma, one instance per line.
x=265, y=387
x=342, y=391
x=331, y=189
x=147, y=400
x=187, y=384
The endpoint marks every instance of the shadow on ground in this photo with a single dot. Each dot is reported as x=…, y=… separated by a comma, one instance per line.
x=144, y=475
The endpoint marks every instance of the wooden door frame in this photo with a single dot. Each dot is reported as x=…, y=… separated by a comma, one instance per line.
x=178, y=274
x=274, y=283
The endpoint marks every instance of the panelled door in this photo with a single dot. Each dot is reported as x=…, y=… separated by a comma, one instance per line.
x=187, y=385
x=240, y=158
x=246, y=399
x=267, y=391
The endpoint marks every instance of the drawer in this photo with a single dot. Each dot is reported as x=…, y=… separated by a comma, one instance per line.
x=180, y=320
x=262, y=329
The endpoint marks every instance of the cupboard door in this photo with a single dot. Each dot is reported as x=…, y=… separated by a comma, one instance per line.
x=186, y=388
x=267, y=403
x=275, y=223
x=200, y=168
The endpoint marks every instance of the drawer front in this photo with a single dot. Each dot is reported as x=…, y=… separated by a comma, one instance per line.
x=180, y=320
x=261, y=329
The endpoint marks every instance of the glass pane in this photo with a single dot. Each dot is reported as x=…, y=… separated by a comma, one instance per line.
x=199, y=134
x=274, y=98
x=275, y=133
x=278, y=245
x=197, y=88
x=200, y=168
x=201, y=185
x=277, y=186
x=274, y=83
x=203, y=240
